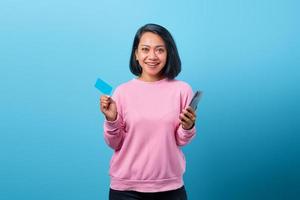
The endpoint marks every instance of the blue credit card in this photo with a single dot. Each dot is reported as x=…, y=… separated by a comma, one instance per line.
x=103, y=86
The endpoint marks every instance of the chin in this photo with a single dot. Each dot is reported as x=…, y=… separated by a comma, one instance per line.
x=153, y=73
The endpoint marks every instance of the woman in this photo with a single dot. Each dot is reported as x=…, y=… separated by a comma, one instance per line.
x=147, y=120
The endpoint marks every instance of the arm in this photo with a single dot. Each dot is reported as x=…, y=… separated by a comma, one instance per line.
x=114, y=125
x=183, y=136
x=186, y=130
x=114, y=133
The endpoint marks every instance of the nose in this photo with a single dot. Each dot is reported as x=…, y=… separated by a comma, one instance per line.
x=152, y=55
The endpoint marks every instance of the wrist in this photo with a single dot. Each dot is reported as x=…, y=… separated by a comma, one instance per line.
x=189, y=128
x=111, y=119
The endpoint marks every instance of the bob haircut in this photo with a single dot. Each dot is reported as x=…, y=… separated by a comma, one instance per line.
x=173, y=64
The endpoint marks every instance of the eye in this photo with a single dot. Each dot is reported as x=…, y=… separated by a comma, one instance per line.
x=144, y=49
x=160, y=50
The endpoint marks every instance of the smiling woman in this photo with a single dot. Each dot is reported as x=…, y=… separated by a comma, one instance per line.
x=154, y=45
x=147, y=120
x=152, y=56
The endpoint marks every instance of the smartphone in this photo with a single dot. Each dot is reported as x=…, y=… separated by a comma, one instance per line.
x=195, y=100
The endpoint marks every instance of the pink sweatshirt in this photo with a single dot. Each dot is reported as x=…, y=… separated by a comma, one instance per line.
x=147, y=135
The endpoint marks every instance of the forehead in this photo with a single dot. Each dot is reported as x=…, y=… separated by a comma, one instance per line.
x=151, y=39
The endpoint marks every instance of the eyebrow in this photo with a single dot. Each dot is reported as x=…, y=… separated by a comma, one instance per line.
x=150, y=46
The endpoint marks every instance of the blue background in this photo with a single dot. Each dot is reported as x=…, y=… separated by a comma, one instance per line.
x=243, y=54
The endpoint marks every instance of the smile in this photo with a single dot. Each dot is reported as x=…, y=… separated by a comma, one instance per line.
x=152, y=64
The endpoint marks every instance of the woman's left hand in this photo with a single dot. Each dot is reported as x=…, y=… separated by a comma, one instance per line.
x=187, y=118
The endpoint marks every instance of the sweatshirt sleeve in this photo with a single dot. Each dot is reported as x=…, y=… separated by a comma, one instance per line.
x=183, y=137
x=114, y=130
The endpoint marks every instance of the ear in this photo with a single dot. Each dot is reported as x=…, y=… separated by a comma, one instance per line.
x=136, y=55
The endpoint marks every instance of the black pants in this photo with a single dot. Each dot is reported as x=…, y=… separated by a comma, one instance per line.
x=178, y=194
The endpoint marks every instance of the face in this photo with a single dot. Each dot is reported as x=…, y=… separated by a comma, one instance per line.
x=151, y=55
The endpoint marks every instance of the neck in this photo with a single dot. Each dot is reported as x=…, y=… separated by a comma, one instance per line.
x=151, y=78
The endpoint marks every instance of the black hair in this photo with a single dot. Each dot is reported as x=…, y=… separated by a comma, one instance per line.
x=173, y=63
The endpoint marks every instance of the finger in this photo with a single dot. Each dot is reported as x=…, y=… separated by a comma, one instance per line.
x=105, y=98
x=105, y=101
x=102, y=97
x=104, y=105
x=183, y=123
x=103, y=108
x=191, y=110
x=184, y=118
x=186, y=125
x=188, y=114
x=189, y=123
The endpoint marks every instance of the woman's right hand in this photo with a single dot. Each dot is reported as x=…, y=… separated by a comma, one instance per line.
x=108, y=107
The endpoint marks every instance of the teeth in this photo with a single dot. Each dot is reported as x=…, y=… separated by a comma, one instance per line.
x=152, y=64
